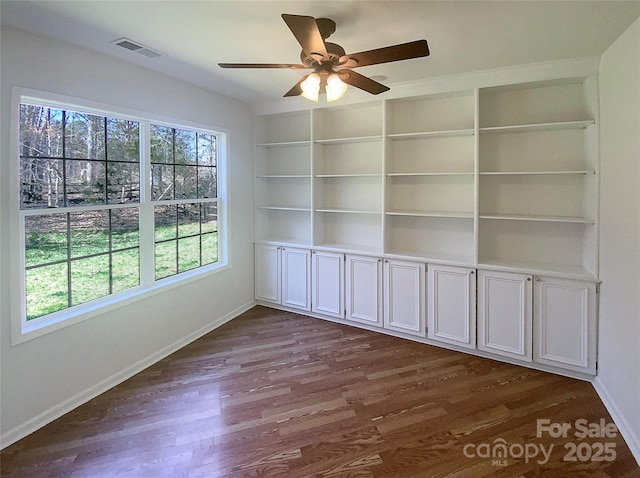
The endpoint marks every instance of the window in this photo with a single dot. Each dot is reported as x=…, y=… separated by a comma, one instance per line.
x=111, y=205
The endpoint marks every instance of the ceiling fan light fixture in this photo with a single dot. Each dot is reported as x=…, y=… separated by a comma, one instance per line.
x=311, y=87
x=336, y=88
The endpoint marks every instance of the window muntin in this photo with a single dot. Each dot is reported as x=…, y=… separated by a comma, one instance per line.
x=82, y=237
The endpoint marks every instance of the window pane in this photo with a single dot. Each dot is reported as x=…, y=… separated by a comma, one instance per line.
x=166, y=257
x=206, y=149
x=209, y=248
x=125, y=270
x=209, y=218
x=89, y=279
x=123, y=140
x=89, y=232
x=165, y=221
x=207, y=178
x=124, y=182
x=40, y=131
x=185, y=146
x=85, y=182
x=186, y=182
x=161, y=182
x=41, y=182
x=188, y=219
x=45, y=239
x=161, y=144
x=47, y=290
x=125, y=228
x=188, y=253
x=84, y=136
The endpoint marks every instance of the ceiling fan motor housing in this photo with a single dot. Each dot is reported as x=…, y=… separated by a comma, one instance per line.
x=334, y=50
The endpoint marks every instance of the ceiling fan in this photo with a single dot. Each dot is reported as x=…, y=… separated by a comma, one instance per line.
x=332, y=68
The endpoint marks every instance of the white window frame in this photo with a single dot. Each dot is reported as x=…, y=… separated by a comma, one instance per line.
x=23, y=330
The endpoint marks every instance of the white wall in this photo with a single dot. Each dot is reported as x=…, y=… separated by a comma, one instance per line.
x=618, y=382
x=48, y=375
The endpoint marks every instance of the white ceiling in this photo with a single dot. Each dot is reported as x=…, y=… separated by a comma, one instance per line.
x=194, y=36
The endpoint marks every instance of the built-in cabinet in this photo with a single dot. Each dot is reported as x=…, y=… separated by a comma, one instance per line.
x=565, y=323
x=404, y=291
x=505, y=314
x=451, y=305
x=327, y=283
x=363, y=289
x=498, y=181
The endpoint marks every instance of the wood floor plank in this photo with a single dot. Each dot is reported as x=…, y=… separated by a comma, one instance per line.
x=273, y=393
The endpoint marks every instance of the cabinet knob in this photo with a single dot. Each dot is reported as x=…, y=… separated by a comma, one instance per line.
x=529, y=279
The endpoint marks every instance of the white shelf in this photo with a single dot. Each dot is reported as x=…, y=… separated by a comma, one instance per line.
x=285, y=208
x=348, y=247
x=347, y=211
x=353, y=175
x=431, y=134
x=285, y=176
x=432, y=257
x=444, y=173
x=352, y=139
x=536, y=173
x=283, y=241
x=581, y=124
x=528, y=217
x=448, y=214
x=283, y=144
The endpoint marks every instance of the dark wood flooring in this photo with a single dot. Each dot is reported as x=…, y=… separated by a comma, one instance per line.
x=273, y=393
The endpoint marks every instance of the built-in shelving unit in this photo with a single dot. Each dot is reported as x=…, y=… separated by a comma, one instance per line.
x=430, y=177
x=538, y=177
x=283, y=178
x=501, y=177
x=348, y=164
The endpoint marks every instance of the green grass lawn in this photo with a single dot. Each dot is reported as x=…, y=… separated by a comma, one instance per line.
x=47, y=285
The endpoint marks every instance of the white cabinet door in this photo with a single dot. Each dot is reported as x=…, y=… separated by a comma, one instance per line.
x=267, y=269
x=505, y=314
x=327, y=283
x=364, y=289
x=565, y=323
x=404, y=296
x=296, y=290
x=451, y=305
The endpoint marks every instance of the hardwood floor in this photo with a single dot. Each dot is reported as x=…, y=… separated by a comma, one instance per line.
x=279, y=394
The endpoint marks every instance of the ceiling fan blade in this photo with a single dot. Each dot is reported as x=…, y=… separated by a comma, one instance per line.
x=360, y=81
x=404, y=51
x=306, y=31
x=293, y=66
x=297, y=89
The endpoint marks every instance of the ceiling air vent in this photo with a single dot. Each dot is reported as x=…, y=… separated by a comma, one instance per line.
x=136, y=47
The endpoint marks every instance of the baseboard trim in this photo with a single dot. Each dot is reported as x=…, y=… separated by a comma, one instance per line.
x=627, y=432
x=40, y=420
